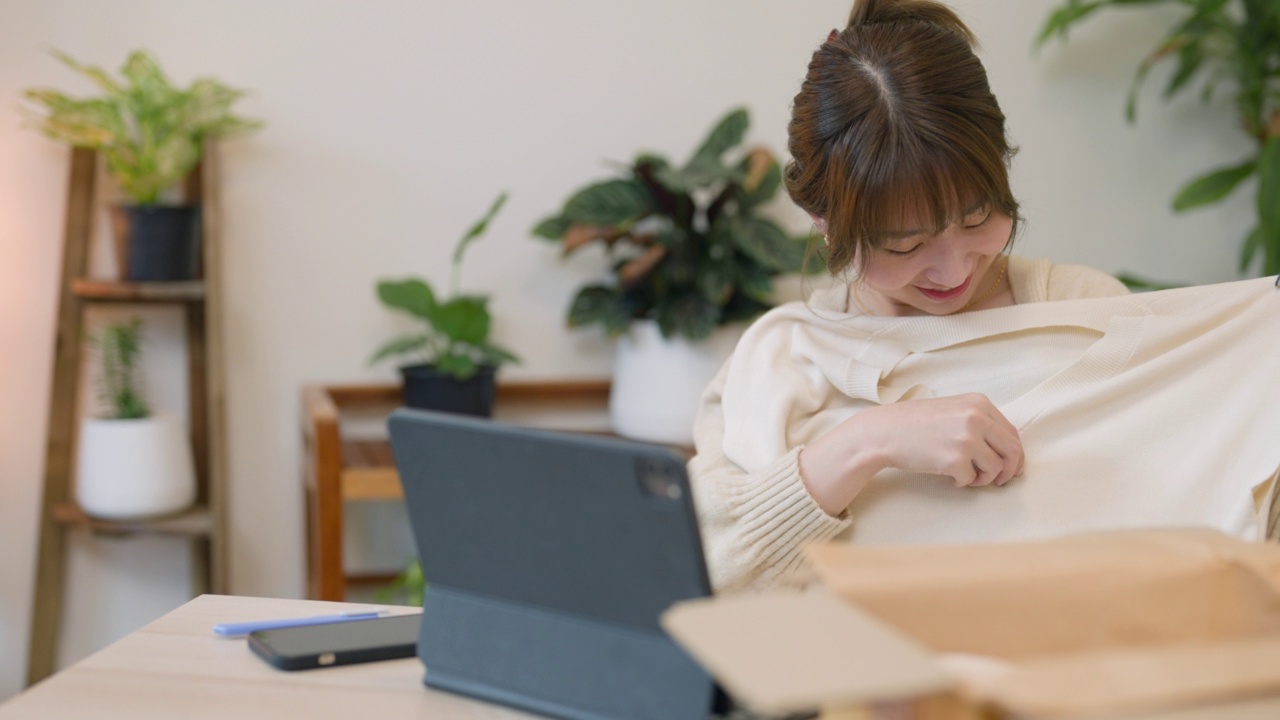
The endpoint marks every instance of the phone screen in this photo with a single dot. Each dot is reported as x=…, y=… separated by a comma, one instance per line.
x=314, y=646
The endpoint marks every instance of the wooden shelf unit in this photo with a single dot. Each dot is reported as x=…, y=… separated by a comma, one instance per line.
x=203, y=524
x=111, y=291
x=192, y=522
x=341, y=469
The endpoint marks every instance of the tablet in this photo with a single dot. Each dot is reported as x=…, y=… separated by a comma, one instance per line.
x=316, y=646
x=549, y=557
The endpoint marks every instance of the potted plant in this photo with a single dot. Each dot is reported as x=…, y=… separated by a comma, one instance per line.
x=151, y=136
x=1216, y=40
x=451, y=364
x=693, y=259
x=131, y=463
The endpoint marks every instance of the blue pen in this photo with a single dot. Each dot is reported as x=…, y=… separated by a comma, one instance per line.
x=244, y=628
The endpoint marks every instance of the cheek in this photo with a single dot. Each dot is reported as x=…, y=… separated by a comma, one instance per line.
x=891, y=273
x=998, y=232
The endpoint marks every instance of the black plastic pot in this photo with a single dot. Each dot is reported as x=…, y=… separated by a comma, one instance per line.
x=158, y=243
x=428, y=389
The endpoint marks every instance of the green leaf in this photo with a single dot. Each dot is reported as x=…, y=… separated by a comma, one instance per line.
x=715, y=281
x=612, y=202
x=413, y=296
x=553, y=228
x=93, y=72
x=1269, y=205
x=1249, y=248
x=172, y=159
x=766, y=243
x=459, y=365
x=742, y=308
x=727, y=134
x=691, y=316
x=699, y=173
x=1064, y=17
x=1213, y=186
x=764, y=192
x=1190, y=58
x=1140, y=76
x=82, y=123
x=1141, y=284
x=147, y=81
x=495, y=355
x=754, y=280
x=597, y=304
x=478, y=229
x=464, y=319
x=400, y=346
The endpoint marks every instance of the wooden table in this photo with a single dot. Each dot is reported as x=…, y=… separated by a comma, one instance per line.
x=177, y=668
x=348, y=458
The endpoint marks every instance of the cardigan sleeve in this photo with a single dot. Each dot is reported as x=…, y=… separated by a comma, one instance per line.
x=754, y=524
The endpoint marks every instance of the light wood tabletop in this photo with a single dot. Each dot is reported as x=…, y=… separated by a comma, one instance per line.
x=176, y=667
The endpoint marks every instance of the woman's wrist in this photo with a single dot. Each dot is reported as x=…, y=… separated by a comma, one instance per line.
x=837, y=466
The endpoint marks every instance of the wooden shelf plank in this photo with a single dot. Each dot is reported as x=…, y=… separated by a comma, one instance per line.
x=371, y=483
x=111, y=291
x=195, y=522
x=369, y=453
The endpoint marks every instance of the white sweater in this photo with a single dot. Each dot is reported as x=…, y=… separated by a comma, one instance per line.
x=1133, y=410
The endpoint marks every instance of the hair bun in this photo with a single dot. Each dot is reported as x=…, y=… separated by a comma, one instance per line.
x=877, y=12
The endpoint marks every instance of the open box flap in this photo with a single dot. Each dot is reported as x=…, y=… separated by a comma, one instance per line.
x=784, y=652
x=1074, y=594
x=1153, y=679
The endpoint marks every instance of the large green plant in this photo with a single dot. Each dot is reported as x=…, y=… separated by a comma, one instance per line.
x=456, y=335
x=1237, y=41
x=119, y=347
x=149, y=131
x=688, y=246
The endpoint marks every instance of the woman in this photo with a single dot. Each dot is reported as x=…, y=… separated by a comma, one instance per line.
x=901, y=159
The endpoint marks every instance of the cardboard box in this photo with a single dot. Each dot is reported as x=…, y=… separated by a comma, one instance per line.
x=1171, y=624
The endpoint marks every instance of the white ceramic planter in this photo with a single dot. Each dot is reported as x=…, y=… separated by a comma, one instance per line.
x=128, y=469
x=657, y=382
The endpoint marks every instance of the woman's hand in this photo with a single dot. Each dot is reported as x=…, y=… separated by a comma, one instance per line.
x=963, y=437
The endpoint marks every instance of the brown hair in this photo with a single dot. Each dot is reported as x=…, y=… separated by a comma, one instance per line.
x=895, y=123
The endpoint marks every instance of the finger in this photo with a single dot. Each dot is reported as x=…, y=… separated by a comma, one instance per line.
x=994, y=413
x=988, y=466
x=963, y=472
x=1009, y=448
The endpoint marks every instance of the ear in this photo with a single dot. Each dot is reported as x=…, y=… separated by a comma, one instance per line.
x=821, y=226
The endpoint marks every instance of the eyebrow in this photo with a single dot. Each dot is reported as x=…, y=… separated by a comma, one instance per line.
x=904, y=234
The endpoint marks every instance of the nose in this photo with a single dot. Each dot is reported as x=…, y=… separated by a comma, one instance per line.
x=949, y=263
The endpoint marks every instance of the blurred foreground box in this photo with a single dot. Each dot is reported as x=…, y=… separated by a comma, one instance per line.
x=1168, y=624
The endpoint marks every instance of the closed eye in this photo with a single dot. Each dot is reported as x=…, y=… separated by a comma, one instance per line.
x=977, y=219
x=904, y=253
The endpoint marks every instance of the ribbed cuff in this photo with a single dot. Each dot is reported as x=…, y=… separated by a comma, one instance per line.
x=779, y=517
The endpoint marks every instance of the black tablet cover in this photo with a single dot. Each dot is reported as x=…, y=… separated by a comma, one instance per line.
x=548, y=558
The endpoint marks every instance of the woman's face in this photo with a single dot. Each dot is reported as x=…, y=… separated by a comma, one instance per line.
x=918, y=273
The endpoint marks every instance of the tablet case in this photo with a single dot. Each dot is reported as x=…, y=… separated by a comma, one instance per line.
x=548, y=558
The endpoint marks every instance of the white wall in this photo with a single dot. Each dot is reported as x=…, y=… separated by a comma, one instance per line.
x=392, y=124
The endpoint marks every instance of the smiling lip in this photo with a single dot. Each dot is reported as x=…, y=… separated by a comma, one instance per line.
x=946, y=295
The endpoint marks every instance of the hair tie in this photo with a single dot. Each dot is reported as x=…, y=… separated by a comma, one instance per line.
x=834, y=34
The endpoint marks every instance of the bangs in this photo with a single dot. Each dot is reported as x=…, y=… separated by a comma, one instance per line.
x=907, y=185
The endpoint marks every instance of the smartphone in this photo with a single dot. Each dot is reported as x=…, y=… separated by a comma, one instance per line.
x=344, y=643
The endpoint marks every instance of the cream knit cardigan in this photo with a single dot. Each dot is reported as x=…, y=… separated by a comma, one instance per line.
x=1159, y=409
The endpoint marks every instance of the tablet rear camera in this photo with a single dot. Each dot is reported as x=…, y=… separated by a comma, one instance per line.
x=659, y=481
